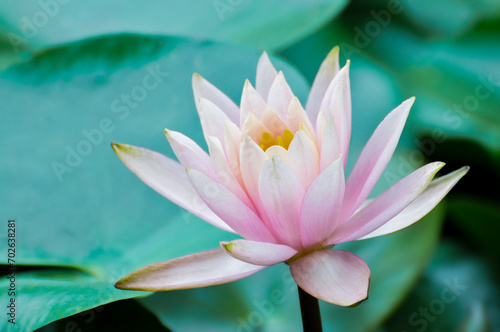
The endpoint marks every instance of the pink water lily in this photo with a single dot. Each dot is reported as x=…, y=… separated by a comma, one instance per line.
x=274, y=175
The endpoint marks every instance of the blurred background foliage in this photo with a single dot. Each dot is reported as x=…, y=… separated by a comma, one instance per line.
x=72, y=80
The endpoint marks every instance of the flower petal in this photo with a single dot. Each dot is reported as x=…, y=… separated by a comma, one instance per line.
x=328, y=140
x=337, y=100
x=281, y=193
x=320, y=209
x=206, y=90
x=213, y=119
x=280, y=95
x=213, y=267
x=273, y=122
x=327, y=71
x=279, y=151
x=296, y=118
x=339, y=112
x=374, y=158
x=334, y=276
x=189, y=153
x=251, y=102
x=387, y=205
x=266, y=73
x=252, y=158
x=422, y=205
x=253, y=127
x=232, y=139
x=224, y=173
x=168, y=178
x=258, y=253
x=229, y=208
x=303, y=158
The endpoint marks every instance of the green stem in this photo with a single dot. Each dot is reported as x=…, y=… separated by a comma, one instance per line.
x=309, y=308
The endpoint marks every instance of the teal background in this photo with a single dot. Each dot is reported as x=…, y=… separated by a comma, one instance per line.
x=65, y=67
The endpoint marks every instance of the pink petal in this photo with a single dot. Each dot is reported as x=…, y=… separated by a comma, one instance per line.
x=319, y=214
x=189, y=153
x=387, y=205
x=213, y=267
x=296, y=118
x=327, y=71
x=213, y=119
x=232, y=138
x=280, y=95
x=338, y=110
x=334, y=276
x=223, y=172
x=422, y=205
x=258, y=253
x=204, y=89
x=253, y=127
x=303, y=158
x=337, y=100
x=168, y=178
x=328, y=140
x=229, y=208
x=279, y=151
x=251, y=102
x=252, y=159
x=281, y=193
x=265, y=75
x=374, y=158
x=273, y=122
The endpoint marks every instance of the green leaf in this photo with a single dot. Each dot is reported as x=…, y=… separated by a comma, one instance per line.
x=458, y=292
x=455, y=82
x=449, y=17
x=264, y=24
x=45, y=296
x=74, y=202
x=268, y=300
x=125, y=315
x=457, y=88
x=473, y=216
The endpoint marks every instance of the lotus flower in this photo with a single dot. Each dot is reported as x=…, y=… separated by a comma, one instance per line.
x=274, y=175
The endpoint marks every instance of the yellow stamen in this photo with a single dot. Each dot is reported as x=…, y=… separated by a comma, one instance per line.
x=268, y=140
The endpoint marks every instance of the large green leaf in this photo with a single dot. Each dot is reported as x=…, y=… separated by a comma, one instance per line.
x=263, y=24
x=455, y=82
x=479, y=220
x=459, y=292
x=268, y=301
x=435, y=19
x=74, y=202
x=45, y=296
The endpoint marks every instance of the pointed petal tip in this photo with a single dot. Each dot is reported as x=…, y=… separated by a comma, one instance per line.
x=123, y=148
x=226, y=245
x=127, y=283
x=333, y=52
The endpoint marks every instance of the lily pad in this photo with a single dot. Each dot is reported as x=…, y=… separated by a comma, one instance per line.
x=457, y=293
x=264, y=24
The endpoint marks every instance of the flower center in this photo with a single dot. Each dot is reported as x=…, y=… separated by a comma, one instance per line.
x=267, y=140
